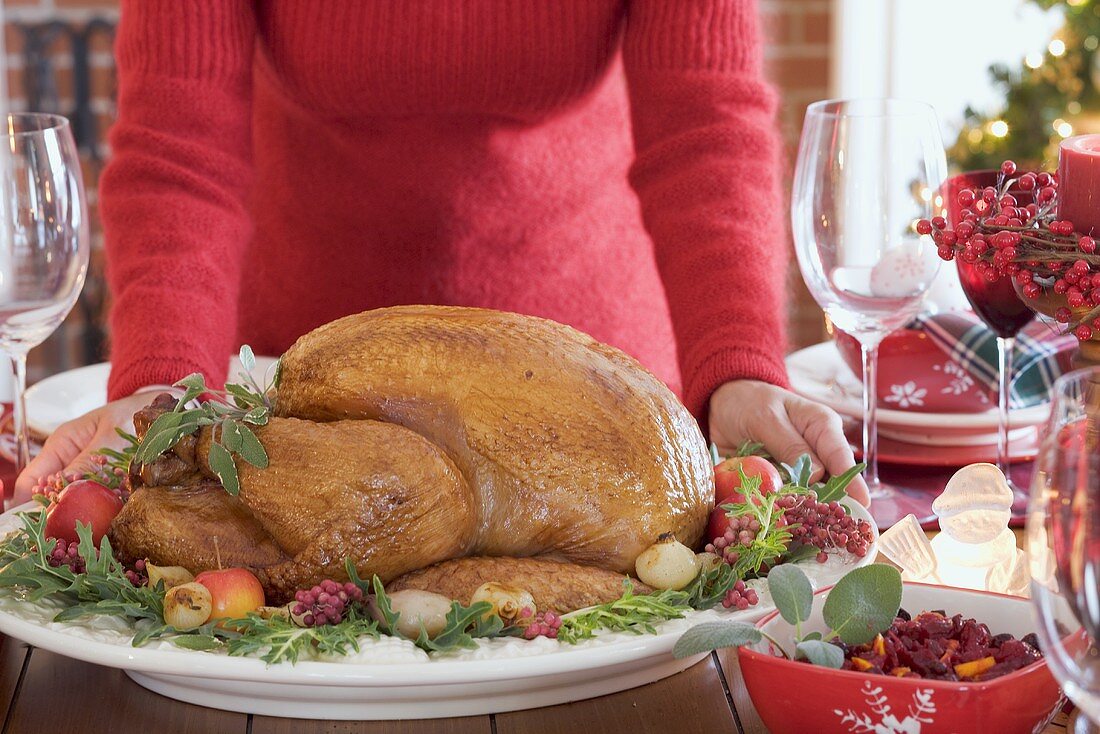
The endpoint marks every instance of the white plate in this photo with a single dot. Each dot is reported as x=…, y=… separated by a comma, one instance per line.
x=362, y=691
x=73, y=393
x=819, y=373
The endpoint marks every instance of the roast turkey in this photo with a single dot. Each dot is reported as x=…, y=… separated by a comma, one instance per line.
x=408, y=436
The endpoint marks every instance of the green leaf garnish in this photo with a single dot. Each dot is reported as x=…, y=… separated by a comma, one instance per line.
x=713, y=635
x=230, y=412
x=791, y=593
x=819, y=652
x=863, y=603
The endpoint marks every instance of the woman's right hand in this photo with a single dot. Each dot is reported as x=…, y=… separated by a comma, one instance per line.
x=70, y=447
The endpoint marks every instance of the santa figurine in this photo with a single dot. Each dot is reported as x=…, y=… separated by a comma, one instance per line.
x=975, y=548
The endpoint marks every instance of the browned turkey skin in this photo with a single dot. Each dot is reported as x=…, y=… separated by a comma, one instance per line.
x=411, y=436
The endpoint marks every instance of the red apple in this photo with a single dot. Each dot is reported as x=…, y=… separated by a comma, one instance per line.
x=727, y=480
x=85, y=501
x=717, y=525
x=234, y=592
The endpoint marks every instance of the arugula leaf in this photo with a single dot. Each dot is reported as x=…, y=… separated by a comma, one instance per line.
x=638, y=614
x=836, y=488
x=462, y=625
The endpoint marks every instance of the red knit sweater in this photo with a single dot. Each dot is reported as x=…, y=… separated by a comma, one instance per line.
x=610, y=164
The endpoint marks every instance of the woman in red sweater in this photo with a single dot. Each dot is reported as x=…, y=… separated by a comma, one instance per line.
x=610, y=164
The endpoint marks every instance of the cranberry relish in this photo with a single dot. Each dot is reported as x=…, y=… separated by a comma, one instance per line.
x=933, y=645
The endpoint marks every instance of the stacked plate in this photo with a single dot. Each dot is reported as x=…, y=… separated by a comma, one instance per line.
x=910, y=437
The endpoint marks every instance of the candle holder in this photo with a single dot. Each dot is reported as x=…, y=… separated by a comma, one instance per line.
x=1048, y=303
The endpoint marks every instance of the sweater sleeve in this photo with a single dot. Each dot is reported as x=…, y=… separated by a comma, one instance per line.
x=706, y=173
x=172, y=198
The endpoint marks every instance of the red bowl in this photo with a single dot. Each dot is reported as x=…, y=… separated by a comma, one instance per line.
x=795, y=697
x=915, y=375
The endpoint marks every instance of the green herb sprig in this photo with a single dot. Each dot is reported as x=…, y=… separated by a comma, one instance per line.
x=635, y=613
x=863, y=604
x=230, y=416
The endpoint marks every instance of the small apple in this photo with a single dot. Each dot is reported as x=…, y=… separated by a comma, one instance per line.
x=234, y=592
x=727, y=480
x=717, y=524
x=85, y=501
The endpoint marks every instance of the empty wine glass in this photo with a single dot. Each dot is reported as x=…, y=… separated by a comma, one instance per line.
x=1063, y=529
x=867, y=172
x=43, y=242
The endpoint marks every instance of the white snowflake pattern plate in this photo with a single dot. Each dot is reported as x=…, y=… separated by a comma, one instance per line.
x=819, y=373
x=389, y=678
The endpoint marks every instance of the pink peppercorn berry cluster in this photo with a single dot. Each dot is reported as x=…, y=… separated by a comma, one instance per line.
x=1002, y=238
x=544, y=624
x=66, y=554
x=825, y=525
x=325, y=603
x=51, y=486
x=740, y=597
x=137, y=575
x=740, y=534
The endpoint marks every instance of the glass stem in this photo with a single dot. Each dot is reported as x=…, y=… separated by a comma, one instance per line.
x=1005, y=346
x=870, y=414
x=19, y=410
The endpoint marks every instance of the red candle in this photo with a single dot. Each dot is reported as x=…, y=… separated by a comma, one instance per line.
x=1079, y=182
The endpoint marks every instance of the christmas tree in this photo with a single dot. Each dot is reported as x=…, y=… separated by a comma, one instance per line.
x=1051, y=96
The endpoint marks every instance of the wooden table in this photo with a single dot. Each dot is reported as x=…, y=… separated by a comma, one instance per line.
x=44, y=692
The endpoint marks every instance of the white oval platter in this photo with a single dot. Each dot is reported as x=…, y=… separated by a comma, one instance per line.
x=509, y=675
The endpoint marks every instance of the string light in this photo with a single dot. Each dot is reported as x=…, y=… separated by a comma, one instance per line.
x=998, y=128
x=1057, y=47
x=1091, y=43
x=1063, y=128
x=1034, y=60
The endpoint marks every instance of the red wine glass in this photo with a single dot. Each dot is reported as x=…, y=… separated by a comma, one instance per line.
x=998, y=306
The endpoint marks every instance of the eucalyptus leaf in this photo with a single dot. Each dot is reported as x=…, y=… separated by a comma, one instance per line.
x=863, y=603
x=713, y=635
x=251, y=449
x=791, y=592
x=221, y=463
x=820, y=653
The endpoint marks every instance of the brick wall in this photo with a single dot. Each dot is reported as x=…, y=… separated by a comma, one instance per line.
x=799, y=36
x=797, y=56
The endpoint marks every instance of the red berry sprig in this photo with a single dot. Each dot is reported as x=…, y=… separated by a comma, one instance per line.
x=325, y=603
x=1026, y=242
x=544, y=624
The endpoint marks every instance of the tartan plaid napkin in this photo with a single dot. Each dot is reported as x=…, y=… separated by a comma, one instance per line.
x=1035, y=360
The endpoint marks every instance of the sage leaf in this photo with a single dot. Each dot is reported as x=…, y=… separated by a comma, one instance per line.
x=196, y=642
x=251, y=449
x=820, y=653
x=791, y=593
x=863, y=603
x=221, y=463
x=713, y=635
x=257, y=416
x=243, y=397
x=231, y=436
x=157, y=438
x=248, y=359
x=815, y=635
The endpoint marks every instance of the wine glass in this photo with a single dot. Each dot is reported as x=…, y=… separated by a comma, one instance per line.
x=854, y=218
x=1063, y=528
x=997, y=305
x=44, y=242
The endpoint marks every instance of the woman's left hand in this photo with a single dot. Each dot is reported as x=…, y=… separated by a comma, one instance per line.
x=787, y=425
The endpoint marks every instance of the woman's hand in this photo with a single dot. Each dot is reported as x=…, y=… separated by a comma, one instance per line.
x=787, y=425
x=70, y=447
